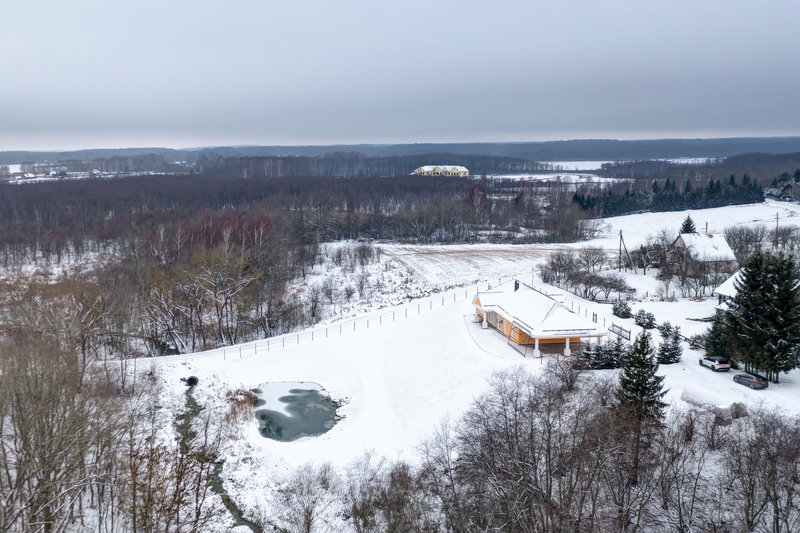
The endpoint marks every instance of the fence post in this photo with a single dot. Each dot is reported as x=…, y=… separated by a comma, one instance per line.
x=312, y=335
x=240, y=351
x=380, y=319
x=417, y=308
x=298, y=338
x=354, y=325
x=340, y=329
x=442, y=301
x=368, y=323
x=392, y=316
x=431, y=303
x=284, y=341
x=326, y=332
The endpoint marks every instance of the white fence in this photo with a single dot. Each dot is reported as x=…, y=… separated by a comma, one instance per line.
x=375, y=319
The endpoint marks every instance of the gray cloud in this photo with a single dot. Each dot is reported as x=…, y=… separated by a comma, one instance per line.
x=179, y=73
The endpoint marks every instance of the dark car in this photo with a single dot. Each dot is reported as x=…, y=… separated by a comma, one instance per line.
x=716, y=363
x=754, y=382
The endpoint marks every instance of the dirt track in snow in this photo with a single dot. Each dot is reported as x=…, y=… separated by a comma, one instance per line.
x=463, y=264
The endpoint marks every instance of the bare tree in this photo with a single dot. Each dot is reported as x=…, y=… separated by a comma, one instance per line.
x=305, y=496
x=591, y=258
x=558, y=267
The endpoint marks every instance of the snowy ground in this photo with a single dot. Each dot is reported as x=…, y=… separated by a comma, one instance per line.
x=563, y=177
x=402, y=369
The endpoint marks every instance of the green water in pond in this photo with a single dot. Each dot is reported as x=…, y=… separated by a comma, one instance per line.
x=307, y=413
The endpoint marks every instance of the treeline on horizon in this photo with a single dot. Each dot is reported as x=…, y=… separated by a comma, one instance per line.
x=356, y=164
x=339, y=164
x=577, y=149
x=760, y=167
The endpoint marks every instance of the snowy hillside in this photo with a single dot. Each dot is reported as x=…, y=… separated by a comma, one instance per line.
x=401, y=370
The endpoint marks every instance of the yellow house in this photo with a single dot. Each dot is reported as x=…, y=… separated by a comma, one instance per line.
x=442, y=170
x=529, y=317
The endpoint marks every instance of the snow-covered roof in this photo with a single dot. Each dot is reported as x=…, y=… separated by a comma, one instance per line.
x=446, y=168
x=728, y=287
x=708, y=246
x=538, y=314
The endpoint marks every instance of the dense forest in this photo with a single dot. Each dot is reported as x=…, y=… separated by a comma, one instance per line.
x=194, y=262
x=760, y=167
x=356, y=164
x=669, y=196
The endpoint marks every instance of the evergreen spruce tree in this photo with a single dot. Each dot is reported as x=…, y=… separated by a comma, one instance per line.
x=781, y=353
x=715, y=343
x=605, y=355
x=745, y=330
x=618, y=351
x=762, y=325
x=688, y=225
x=640, y=389
x=670, y=349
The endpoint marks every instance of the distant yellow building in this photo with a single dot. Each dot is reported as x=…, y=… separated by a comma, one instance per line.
x=442, y=170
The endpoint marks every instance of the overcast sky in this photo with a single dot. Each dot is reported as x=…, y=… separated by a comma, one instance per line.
x=100, y=73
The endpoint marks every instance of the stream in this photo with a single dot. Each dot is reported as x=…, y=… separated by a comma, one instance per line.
x=183, y=425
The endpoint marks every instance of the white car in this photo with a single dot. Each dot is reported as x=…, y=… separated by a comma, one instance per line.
x=716, y=363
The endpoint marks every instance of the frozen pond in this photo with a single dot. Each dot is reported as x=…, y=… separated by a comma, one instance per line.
x=292, y=410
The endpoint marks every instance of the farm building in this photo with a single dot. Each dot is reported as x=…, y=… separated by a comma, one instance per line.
x=704, y=252
x=442, y=170
x=529, y=317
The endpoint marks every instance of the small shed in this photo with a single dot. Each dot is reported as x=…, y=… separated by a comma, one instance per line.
x=727, y=290
x=530, y=317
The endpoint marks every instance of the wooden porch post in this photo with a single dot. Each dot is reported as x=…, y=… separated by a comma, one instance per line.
x=567, y=351
x=536, y=352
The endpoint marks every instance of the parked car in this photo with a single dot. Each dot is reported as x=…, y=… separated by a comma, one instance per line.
x=716, y=363
x=754, y=382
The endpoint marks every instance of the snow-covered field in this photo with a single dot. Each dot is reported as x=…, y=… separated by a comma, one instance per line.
x=577, y=165
x=563, y=177
x=402, y=373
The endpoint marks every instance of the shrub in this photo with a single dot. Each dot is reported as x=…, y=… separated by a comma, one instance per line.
x=609, y=354
x=670, y=349
x=622, y=309
x=644, y=319
x=697, y=342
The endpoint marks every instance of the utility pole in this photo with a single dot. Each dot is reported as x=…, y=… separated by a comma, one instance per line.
x=627, y=255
